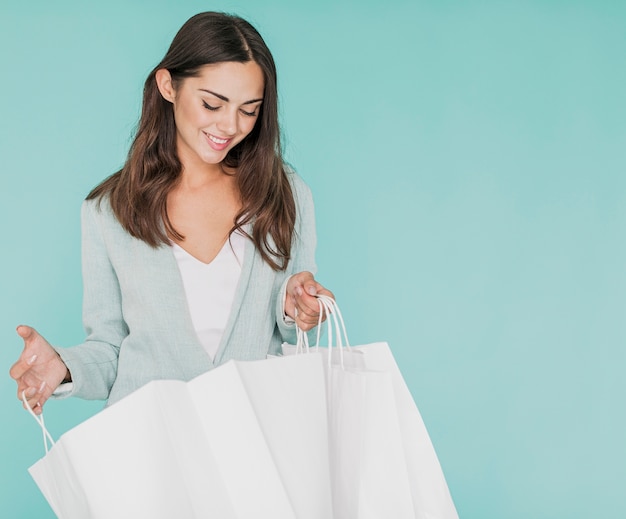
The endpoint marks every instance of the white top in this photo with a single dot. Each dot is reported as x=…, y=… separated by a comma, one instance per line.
x=210, y=289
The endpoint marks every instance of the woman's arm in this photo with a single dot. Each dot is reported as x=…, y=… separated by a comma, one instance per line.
x=299, y=289
x=93, y=364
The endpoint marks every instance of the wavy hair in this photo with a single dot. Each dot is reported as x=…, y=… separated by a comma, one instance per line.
x=138, y=192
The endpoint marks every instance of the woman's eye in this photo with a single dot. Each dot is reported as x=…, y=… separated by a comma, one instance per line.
x=249, y=114
x=208, y=106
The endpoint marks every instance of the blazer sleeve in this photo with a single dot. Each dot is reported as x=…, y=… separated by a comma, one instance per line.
x=303, y=250
x=93, y=364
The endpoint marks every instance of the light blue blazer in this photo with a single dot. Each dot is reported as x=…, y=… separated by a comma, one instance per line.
x=135, y=310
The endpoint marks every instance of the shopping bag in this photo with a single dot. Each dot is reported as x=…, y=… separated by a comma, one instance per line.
x=290, y=404
x=128, y=460
x=368, y=472
x=431, y=498
x=225, y=444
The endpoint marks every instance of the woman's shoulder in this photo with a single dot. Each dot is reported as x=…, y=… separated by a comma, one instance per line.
x=99, y=206
x=98, y=211
x=301, y=194
x=298, y=185
x=98, y=201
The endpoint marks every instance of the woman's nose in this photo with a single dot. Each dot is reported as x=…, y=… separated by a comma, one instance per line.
x=228, y=122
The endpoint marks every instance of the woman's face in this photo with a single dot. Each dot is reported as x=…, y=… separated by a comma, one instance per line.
x=214, y=111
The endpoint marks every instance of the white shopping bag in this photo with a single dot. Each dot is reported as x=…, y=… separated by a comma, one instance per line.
x=430, y=494
x=127, y=461
x=211, y=447
x=368, y=472
x=290, y=404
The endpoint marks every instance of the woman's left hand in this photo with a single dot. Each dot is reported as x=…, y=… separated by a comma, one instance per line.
x=300, y=301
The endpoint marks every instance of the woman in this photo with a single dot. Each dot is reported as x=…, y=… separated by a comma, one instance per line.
x=201, y=248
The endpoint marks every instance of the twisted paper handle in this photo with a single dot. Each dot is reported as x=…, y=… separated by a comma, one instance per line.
x=39, y=419
x=335, y=325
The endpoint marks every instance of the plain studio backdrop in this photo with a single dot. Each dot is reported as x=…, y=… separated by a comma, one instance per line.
x=467, y=160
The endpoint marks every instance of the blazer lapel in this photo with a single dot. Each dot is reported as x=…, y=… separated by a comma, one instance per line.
x=242, y=285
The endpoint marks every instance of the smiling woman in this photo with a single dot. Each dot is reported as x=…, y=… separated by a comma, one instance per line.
x=208, y=126
x=164, y=296
x=203, y=116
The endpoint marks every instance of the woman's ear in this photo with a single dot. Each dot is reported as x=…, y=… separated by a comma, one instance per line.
x=164, y=84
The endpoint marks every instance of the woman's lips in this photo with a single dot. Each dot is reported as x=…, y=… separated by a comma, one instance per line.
x=217, y=143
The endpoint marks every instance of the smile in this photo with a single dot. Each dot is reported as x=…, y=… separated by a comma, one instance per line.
x=216, y=140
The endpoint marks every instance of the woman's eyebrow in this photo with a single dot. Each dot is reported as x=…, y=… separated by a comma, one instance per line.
x=225, y=99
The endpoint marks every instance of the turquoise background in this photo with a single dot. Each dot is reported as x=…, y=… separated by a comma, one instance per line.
x=467, y=161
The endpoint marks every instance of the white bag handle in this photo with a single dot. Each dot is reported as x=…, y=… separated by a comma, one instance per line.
x=302, y=339
x=333, y=310
x=334, y=320
x=39, y=419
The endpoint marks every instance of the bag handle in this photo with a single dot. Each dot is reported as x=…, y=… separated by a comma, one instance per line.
x=334, y=321
x=302, y=337
x=39, y=419
x=340, y=327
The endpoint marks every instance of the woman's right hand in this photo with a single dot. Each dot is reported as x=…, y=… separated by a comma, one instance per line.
x=39, y=370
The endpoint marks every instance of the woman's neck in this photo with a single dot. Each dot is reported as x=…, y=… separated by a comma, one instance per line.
x=193, y=178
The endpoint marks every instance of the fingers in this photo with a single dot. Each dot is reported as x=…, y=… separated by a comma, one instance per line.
x=26, y=332
x=23, y=364
x=302, y=291
x=321, y=291
x=28, y=356
x=36, y=369
x=35, y=405
x=34, y=393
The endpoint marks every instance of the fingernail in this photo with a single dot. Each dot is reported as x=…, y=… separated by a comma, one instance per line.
x=299, y=291
x=312, y=290
x=41, y=387
x=31, y=360
x=30, y=392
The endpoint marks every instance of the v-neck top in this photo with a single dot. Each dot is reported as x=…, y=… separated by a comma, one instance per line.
x=210, y=289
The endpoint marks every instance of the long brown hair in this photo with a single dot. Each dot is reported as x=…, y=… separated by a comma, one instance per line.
x=138, y=192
